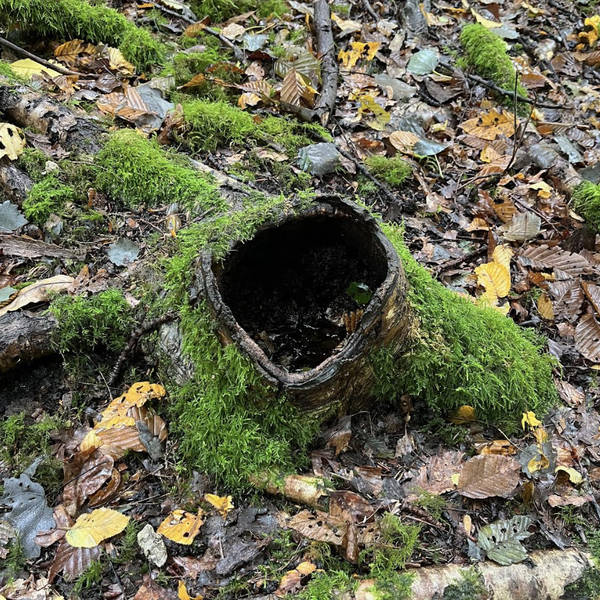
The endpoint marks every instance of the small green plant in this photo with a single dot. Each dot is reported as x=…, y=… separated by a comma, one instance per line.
x=394, y=171
x=586, y=202
x=84, y=324
x=486, y=53
x=220, y=10
x=48, y=196
x=6, y=71
x=127, y=548
x=90, y=578
x=33, y=162
x=585, y=588
x=432, y=503
x=470, y=587
x=328, y=585
x=137, y=171
x=73, y=19
x=15, y=560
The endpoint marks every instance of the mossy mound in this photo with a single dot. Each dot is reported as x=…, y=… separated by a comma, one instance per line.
x=77, y=19
x=394, y=171
x=220, y=10
x=136, y=171
x=211, y=125
x=486, y=53
x=47, y=196
x=586, y=202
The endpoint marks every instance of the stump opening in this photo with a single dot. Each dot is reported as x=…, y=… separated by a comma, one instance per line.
x=295, y=287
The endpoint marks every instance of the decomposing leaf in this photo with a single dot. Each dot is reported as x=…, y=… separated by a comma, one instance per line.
x=183, y=594
x=38, y=292
x=222, y=503
x=291, y=582
x=181, y=526
x=369, y=105
x=490, y=125
x=233, y=30
x=72, y=561
x=152, y=545
x=27, y=68
x=501, y=540
x=489, y=475
x=464, y=414
x=404, y=141
x=118, y=62
x=587, y=337
x=545, y=308
x=544, y=257
x=573, y=474
x=319, y=527
x=523, y=226
x=592, y=293
x=495, y=278
x=436, y=476
x=346, y=25
x=12, y=141
x=504, y=447
x=423, y=62
x=530, y=420
x=92, y=528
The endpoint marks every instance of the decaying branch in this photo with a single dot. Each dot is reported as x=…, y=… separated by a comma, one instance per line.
x=329, y=68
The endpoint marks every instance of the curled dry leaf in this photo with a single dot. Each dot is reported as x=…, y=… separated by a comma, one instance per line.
x=436, y=476
x=291, y=582
x=181, y=526
x=38, y=292
x=489, y=475
x=72, y=561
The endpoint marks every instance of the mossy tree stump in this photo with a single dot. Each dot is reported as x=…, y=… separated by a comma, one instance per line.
x=282, y=298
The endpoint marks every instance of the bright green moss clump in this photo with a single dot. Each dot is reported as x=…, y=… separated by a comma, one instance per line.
x=486, y=53
x=137, y=171
x=210, y=125
x=46, y=197
x=586, y=202
x=466, y=354
x=104, y=320
x=77, y=19
x=220, y=10
x=394, y=171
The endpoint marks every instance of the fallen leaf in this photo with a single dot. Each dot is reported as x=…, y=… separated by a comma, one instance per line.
x=183, y=594
x=38, y=292
x=27, y=68
x=381, y=116
x=495, y=278
x=545, y=307
x=489, y=475
x=291, y=582
x=530, y=420
x=181, y=526
x=490, y=125
x=504, y=447
x=92, y=528
x=12, y=141
x=523, y=226
x=72, y=561
x=573, y=474
x=587, y=337
x=320, y=527
x=222, y=503
x=464, y=414
x=233, y=30
x=501, y=540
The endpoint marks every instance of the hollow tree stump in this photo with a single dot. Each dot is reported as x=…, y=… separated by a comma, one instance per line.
x=284, y=298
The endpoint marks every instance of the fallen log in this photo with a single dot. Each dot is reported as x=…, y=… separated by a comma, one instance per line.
x=283, y=299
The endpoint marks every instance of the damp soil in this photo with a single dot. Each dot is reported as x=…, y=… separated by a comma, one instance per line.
x=288, y=286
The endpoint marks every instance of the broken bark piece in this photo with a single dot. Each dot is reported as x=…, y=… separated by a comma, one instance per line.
x=24, y=336
x=285, y=295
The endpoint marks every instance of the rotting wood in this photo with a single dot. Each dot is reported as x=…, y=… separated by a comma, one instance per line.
x=342, y=377
x=329, y=68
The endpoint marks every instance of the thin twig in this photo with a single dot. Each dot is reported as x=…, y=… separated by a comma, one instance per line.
x=41, y=61
x=367, y=6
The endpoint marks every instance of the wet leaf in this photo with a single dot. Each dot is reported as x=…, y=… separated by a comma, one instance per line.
x=490, y=125
x=423, y=62
x=291, y=89
x=223, y=504
x=92, y=528
x=72, y=561
x=501, y=540
x=12, y=141
x=27, y=68
x=523, y=226
x=587, y=337
x=369, y=106
x=489, y=475
x=181, y=526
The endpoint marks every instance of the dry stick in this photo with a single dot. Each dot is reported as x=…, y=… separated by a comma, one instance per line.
x=41, y=61
x=133, y=340
x=367, y=6
x=326, y=51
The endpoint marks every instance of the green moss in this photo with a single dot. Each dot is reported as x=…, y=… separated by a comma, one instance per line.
x=394, y=171
x=127, y=548
x=585, y=588
x=586, y=202
x=33, y=162
x=432, y=503
x=220, y=10
x=77, y=19
x=90, y=578
x=470, y=587
x=15, y=560
x=7, y=72
x=46, y=197
x=210, y=125
x=328, y=585
x=84, y=324
x=486, y=53
x=137, y=171
x=466, y=354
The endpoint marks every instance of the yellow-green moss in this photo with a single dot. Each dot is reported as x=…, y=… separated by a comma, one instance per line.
x=137, y=171
x=220, y=10
x=65, y=20
x=486, y=53
x=394, y=171
x=211, y=125
x=466, y=354
x=46, y=197
x=586, y=202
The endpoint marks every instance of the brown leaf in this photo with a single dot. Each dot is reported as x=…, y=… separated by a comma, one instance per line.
x=568, y=296
x=572, y=498
x=435, y=476
x=544, y=257
x=592, y=293
x=569, y=393
x=63, y=521
x=587, y=338
x=150, y=590
x=291, y=89
x=194, y=566
x=72, y=561
x=489, y=475
x=38, y=292
x=319, y=527
x=349, y=507
x=291, y=582
x=108, y=491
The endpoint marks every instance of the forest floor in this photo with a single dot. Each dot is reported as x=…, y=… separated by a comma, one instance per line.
x=483, y=191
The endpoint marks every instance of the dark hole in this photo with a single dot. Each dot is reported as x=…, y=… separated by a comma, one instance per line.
x=288, y=286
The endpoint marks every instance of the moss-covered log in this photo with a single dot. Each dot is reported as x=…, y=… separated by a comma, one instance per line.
x=286, y=299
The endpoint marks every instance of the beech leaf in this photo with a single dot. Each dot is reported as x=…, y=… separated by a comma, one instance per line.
x=489, y=475
x=92, y=528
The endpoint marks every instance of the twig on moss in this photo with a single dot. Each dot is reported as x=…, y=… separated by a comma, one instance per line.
x=142, y=330
x=326, y=51
x=41, y=61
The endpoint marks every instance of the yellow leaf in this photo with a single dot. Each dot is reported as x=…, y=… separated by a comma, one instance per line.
x=544, y=190
x=91, y=440
x=372, y=50
x=117, y=61
x=532, y=10
x=183, y=594
x=488, y=154
x=137, y=395
x=530, y=420
x=593, y=22
x=485, y=22
x=306, y=568
x=349, y=58
x=574, y=475
x=12, y=141
x=92, y=528
x=404, y=141
x=27, y=68
x=490, y=125
x=495, y=278
x=222, y=503
x=502, y=255
x=455, y=478
x=540, y=434
x=545, y=307
x=467, y=523
x=538, y=463
x=478, y=224
x=368, y=104
x=181, y=526
x=248, y=99
x=465, y=414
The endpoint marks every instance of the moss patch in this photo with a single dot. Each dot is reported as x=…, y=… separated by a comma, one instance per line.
x=220, y=10
x=210, y=125
x=46, y=197
x=73, y=19
x=465, y=354
x=84, y=324
x=137, y=171
x=486, y=53
x=394, y=171
x=33, y=162
x=586, y=202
